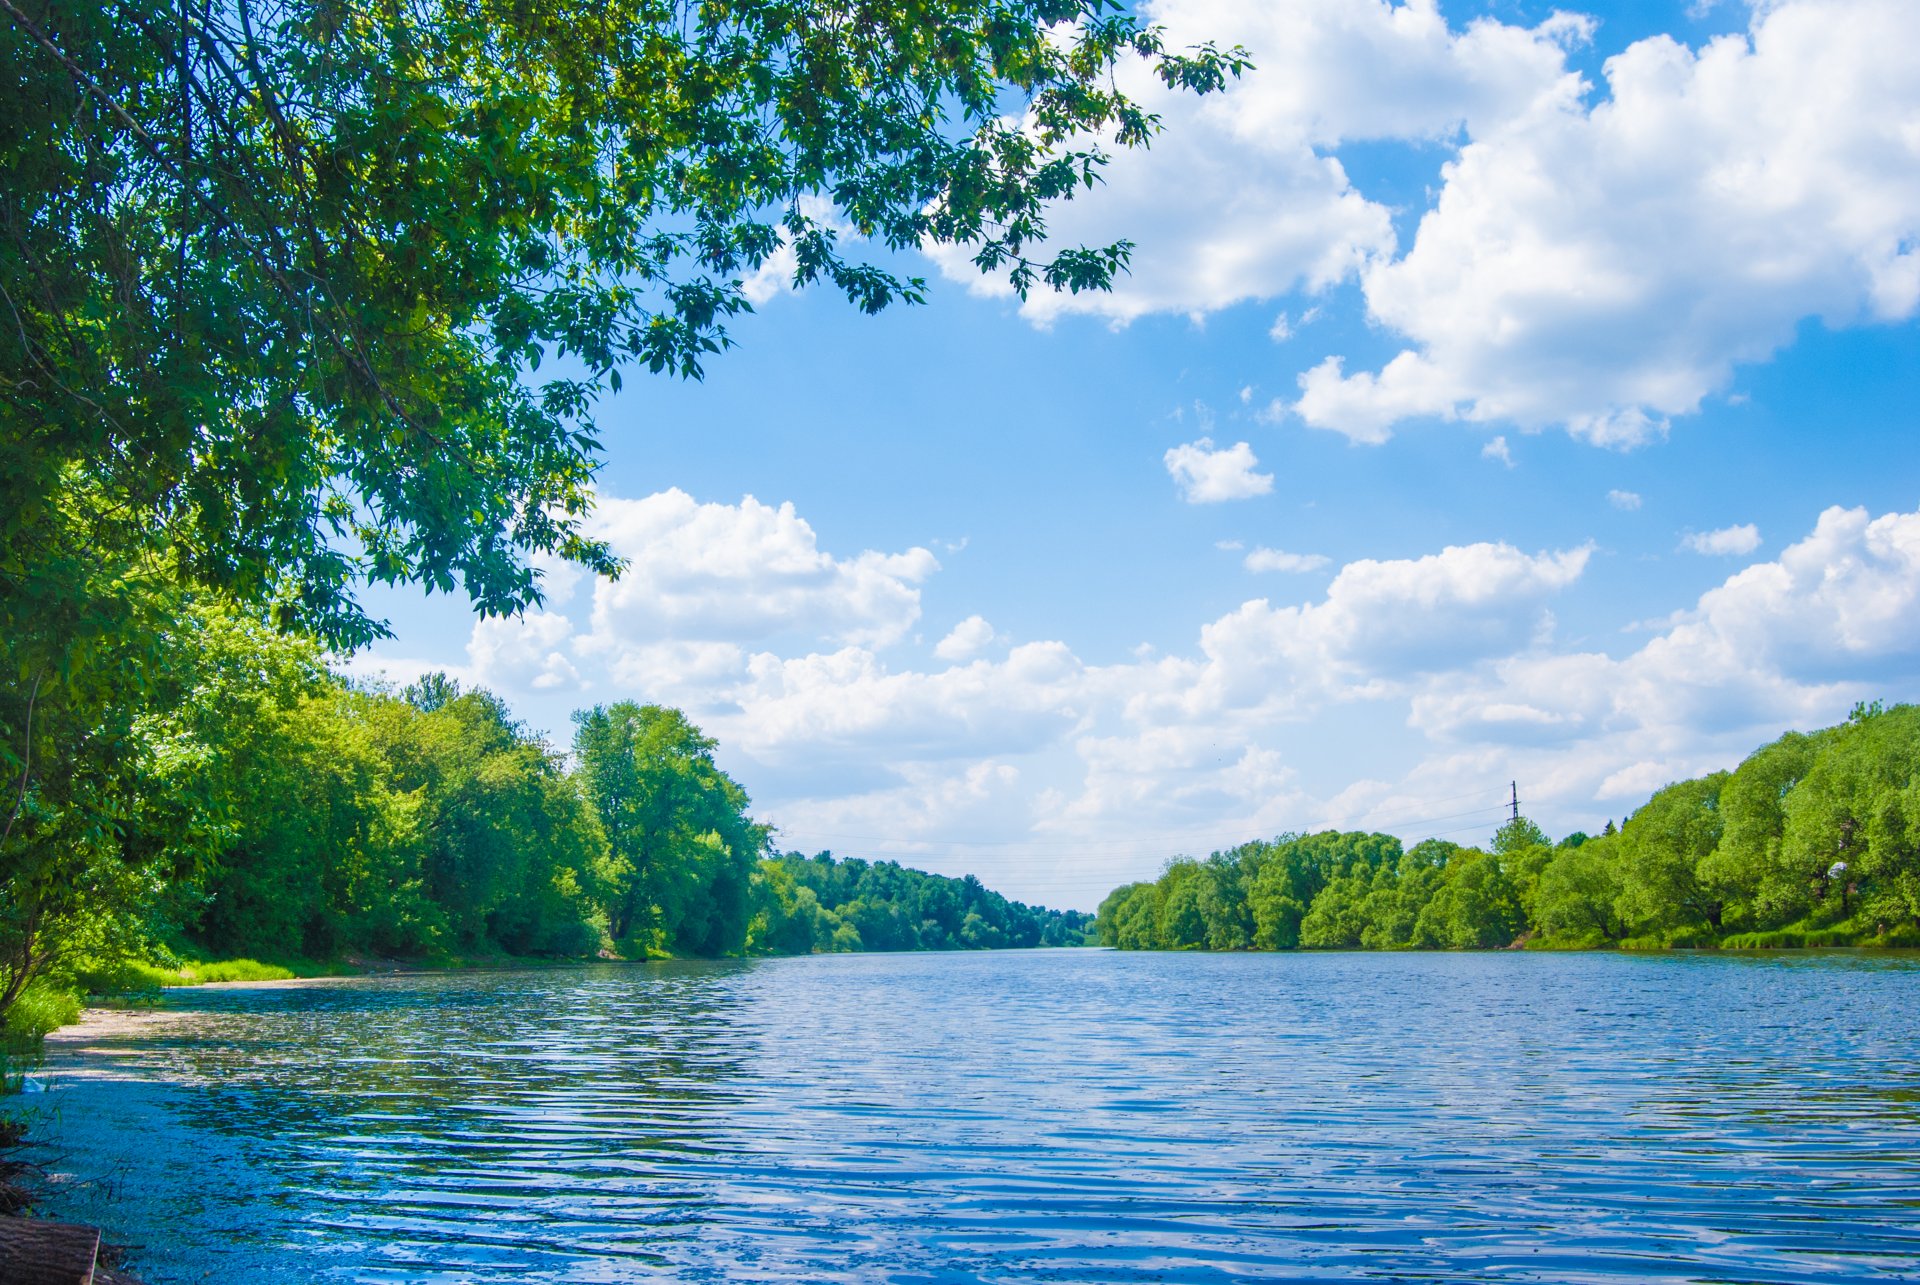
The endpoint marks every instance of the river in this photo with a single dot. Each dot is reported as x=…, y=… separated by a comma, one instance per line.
x=1080, y=1116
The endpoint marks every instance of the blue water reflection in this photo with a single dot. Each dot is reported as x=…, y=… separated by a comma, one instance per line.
x=1044, y=1116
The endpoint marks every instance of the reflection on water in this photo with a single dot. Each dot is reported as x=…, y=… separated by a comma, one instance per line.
x=1044, y=1116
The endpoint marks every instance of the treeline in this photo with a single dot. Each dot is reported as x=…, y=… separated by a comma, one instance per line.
x=1813, y=840
x=819, y=904
x=264, y=807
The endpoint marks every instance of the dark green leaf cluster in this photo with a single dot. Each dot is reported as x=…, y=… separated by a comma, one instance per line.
x=1813, y=840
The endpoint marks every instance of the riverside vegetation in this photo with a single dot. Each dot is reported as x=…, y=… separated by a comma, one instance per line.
x=1814, y=840
x=316, y=294
x=281, y=813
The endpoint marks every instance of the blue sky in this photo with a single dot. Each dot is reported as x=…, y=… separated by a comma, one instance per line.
x=1498, y=395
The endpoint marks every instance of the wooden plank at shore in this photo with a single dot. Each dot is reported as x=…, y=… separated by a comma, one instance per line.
x=40, y=1253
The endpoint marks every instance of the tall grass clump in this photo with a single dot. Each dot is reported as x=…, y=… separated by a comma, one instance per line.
x=40, y=1008
x=234, y=970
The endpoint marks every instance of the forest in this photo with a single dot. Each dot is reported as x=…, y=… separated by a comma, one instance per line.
x=267, y=809
x=1813, y=840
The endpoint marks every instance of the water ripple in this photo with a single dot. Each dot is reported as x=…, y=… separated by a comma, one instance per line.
x=1046, y=1116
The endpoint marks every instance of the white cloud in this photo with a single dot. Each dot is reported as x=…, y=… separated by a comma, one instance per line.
x=1242, y=200
x=1626, y=501
x=1730, y=540
x=1265, y=559
x=1228, y=738
x=1605, y=268
x=524, y=651
x=968, y=639
x=742, y=573
x=1498, y=451
x=1205, y=475
x=850, y=705
x=1788, y=643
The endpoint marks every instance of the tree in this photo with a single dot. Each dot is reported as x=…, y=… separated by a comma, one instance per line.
x=678, y=827
x=1851, y=823
x=1476, y=905
x=1665, y=880
x=1749, y=861
x=1524, y=850
x=301, y=294
x=1579, y=892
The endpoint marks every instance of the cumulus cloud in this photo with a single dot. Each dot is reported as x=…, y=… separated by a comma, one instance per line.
x=1726, y=541
x=968, y=639
x=1787, y=643
x=1206, y=475
x=1250, y=203
x=1625, y=501
x=1265, y=559
x=850, y=704
x=1234, y=734
x=741, y=573
x=1598, y=261
x=527, y=651
x=1498, y=451
x=1606, y=267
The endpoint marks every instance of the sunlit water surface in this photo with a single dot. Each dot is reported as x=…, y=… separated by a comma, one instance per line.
x=1043, y=1116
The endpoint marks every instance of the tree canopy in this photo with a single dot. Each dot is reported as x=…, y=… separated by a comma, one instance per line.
x=1814, y=839
x=302, y=293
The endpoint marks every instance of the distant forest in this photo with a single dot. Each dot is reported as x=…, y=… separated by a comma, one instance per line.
x=1814, y=840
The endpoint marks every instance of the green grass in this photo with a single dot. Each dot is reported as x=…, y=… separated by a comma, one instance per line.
x=233, y=970
x=1791, y=939
x=40, y=1008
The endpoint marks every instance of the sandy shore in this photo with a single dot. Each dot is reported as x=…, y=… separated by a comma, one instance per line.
x=79, y=1048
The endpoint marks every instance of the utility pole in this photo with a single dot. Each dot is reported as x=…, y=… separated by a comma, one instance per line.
x=1515, y=787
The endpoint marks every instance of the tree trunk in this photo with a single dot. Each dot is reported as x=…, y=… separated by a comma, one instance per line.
x=42, y=1253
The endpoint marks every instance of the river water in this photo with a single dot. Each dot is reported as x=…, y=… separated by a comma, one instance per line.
x=1026, y=1116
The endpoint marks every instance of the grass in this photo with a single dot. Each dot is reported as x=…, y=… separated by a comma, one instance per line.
x=40, y=1008
x=234, y=970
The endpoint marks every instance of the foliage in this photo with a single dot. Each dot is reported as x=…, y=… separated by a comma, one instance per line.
x=235, y=970
x=1814, y=840
x=823, y=903
x=297, y=295
x=684, y=850
x=277, y=276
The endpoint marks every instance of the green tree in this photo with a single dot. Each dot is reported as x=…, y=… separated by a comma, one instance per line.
x=278, y=278
x=1578, y=895
x=1477, y=904
x=1764, y=884
x=1665, y=879
x=677, y=826
x=1851, y=824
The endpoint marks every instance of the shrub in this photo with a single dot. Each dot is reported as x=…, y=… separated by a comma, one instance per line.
x=126, y=977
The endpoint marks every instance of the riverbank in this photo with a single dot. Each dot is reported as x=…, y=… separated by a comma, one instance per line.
x=86, y=1049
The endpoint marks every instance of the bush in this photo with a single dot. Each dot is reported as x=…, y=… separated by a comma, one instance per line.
x=1592, y=939
x=126, y=977
x=1905, y=936
x=41, y=1007
x=1691, y=939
